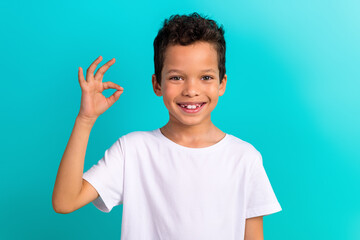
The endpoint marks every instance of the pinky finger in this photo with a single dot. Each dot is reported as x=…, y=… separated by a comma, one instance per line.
x=81, y=76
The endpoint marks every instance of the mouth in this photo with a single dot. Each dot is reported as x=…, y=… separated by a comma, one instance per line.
x=191, y=107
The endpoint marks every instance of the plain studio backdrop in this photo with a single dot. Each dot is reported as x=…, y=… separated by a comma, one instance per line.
x=293, y=92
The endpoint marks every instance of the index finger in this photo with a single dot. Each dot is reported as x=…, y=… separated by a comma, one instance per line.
x=91, y=69
x=100, y=72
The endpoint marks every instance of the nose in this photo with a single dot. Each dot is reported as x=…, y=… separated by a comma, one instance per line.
x=191, y=88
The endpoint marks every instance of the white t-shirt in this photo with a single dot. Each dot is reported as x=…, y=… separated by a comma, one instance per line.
x=173, y=192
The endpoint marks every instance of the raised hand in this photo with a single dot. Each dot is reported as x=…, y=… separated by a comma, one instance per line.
x=93, y=102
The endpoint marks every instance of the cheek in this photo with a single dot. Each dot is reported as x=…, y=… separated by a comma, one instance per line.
x=169, y=93
x=213, y=91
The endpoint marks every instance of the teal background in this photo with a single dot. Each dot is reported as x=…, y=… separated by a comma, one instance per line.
x=293, y=92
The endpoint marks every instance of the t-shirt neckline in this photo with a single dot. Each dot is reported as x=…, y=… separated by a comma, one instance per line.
x=190, y=149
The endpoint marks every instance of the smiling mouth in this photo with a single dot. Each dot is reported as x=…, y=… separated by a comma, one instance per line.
x=191, y=107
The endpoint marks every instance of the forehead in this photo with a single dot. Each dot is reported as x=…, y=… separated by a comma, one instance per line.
x=199, y=55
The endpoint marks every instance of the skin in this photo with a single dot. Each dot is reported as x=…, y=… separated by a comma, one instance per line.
x=190, y=83
x=71, y=191
x=254, y=228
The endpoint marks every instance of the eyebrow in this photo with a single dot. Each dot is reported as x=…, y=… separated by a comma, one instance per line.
x=179, y=71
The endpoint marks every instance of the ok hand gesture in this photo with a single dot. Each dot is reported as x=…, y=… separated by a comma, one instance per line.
x=93, y=102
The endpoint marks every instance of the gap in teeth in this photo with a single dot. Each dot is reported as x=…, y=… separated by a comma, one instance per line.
x=191, y=106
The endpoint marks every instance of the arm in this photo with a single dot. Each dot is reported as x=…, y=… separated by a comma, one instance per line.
x=69, y=184
x=71, y=191
x=254, y=228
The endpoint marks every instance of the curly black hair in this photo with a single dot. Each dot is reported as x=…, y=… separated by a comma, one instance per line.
x=185, y=30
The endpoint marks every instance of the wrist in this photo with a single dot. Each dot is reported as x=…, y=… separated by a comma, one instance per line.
x=85, y=120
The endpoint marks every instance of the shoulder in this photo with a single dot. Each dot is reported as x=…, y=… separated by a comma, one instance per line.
x=135, y=134
x=242, y=148
x=235, y=142
x=138, y=137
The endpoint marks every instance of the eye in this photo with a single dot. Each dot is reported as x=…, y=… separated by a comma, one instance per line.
x=207, y=77
x=175, y=78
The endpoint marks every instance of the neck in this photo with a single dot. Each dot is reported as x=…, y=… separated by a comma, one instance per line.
x=204, y=134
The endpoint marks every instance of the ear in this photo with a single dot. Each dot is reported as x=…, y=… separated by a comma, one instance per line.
x=222, y=86
x=156, y=86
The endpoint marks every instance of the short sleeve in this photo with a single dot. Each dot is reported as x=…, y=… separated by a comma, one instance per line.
x=107, y=178
x=260, y=197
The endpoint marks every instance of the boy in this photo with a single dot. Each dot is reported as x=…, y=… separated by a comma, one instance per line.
x=186, y=180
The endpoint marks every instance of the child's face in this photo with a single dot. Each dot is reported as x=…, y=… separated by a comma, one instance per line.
x=190, y=83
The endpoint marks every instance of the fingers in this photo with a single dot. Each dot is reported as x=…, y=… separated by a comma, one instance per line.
x=91, y=69
x=108, y=85
x=101, y=71
x=115, y=96
x=81, y=77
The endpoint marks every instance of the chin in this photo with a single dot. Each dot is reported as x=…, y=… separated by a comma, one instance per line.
x=190, y=122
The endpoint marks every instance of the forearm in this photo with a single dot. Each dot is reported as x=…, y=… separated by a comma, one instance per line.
x=68, y=182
